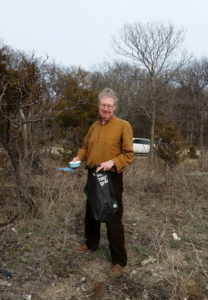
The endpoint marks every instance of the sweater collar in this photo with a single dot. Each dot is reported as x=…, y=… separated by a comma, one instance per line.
x=113, y=117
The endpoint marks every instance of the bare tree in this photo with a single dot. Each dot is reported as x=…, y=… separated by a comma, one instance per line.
x=24, y=110
x=193, y=80
x=153, y=47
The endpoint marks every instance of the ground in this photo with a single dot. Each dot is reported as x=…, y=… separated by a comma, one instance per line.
x=158, y=201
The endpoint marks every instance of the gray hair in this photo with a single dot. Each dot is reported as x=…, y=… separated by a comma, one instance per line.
x=107, y=92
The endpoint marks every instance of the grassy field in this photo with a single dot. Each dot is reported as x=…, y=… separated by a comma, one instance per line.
x=158, y=202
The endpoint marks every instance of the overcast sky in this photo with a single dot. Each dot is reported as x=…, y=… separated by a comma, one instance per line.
x=78, y=32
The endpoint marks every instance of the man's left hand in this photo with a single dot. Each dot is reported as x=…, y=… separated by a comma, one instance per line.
x=105, y=166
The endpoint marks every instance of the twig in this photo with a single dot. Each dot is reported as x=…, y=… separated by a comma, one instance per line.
x=159, y=244
x=195, y=250
x=8, y=222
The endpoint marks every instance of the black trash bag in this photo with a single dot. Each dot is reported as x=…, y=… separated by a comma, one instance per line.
x=100, y=194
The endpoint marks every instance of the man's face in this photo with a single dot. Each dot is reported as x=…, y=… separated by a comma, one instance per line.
x=106, y=108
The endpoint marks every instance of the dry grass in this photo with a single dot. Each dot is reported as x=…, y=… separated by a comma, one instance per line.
x=39, y=251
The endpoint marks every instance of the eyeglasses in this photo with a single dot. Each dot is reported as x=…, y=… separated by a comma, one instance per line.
x=109, y=107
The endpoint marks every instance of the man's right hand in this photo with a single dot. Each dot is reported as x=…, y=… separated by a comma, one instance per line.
x=106, y=166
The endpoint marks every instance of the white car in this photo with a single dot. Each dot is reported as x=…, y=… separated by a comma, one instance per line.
x=141, y=145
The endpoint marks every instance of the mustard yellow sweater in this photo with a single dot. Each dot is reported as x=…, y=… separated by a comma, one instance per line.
x=111, y=141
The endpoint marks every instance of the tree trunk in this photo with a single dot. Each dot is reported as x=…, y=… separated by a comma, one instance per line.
x=152, y=136
x=202, y=140
x=152, y=133
x=13, y=155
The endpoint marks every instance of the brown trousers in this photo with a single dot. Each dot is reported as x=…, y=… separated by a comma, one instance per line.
x=115, y=229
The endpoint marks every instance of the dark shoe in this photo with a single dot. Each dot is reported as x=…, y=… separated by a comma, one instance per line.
x=116, y=271
x=81, y=248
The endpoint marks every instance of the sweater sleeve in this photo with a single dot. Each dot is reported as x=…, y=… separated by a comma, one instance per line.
x=127, y=155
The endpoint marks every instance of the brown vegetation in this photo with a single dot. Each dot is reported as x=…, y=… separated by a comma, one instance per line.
x=158, y=201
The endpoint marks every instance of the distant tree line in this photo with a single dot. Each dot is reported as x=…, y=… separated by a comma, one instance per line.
x=43, y=104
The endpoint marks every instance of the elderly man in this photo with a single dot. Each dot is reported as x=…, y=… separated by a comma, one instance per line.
x=108, y=145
